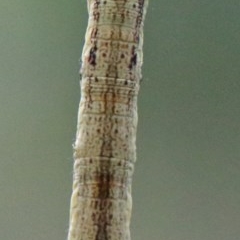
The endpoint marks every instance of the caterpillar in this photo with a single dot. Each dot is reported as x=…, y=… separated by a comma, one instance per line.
x=105, y=145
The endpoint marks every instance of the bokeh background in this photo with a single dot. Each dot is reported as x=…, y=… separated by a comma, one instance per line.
x=187, y=177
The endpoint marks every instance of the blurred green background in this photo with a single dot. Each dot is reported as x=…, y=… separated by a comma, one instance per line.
x=187, y=178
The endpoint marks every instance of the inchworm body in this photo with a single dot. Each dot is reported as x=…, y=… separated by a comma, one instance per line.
x=105, y=146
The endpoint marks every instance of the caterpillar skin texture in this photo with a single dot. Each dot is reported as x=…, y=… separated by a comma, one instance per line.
x=105, y=147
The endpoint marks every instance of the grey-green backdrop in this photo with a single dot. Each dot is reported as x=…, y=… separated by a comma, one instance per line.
x=187, y=178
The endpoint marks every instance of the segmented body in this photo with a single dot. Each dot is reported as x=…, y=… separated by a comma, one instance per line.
x=105, y=148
